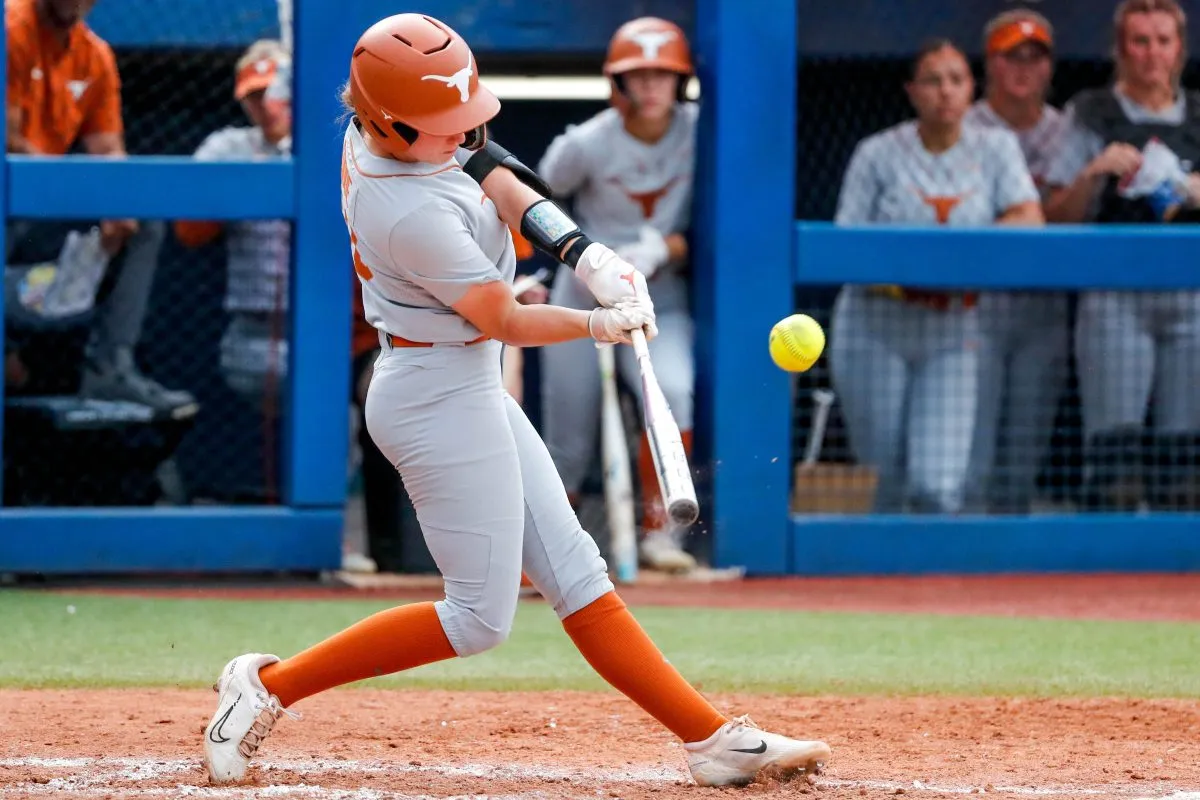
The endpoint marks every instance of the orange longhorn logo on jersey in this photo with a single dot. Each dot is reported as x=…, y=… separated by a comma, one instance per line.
x=943, y=205
x=647, y=200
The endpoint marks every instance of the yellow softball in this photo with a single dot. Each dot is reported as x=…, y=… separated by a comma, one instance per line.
x=796, y=342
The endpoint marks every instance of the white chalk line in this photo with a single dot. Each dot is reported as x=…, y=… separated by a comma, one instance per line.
x=106, y=776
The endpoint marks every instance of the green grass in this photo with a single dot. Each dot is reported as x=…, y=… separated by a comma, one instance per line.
x=119, y=641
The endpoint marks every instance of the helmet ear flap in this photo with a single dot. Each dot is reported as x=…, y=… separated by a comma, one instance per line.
x=617, y=97
x=406, y=132
x=476, y=138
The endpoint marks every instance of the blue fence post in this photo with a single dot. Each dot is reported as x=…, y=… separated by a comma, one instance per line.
x=319, y=375
x=742, y=273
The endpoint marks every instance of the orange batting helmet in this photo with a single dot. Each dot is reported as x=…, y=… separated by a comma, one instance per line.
x=647, y=43
x=412, y=74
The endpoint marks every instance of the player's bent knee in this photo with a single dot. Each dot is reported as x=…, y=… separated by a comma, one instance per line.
x=471, y=635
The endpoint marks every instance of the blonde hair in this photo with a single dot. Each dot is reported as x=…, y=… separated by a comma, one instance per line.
x=348, y=113
x=263, y=48
x=1170, y=7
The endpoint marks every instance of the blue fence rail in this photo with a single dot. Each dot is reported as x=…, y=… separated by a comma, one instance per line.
x=1134, y=258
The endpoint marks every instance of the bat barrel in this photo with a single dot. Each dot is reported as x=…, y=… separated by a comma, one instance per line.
x=684, y=511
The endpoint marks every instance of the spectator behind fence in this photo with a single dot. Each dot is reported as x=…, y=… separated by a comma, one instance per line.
x=64, y=92
x=1025, y=334
x=1123, y=162
x=254, y=347
x=903, y=361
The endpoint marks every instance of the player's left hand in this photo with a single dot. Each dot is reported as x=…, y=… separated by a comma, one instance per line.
x=114, y=233
x=614, y=325
x=609, y=277
x=649, y=253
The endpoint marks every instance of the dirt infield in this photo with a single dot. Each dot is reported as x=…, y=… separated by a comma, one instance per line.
x=365, y=744
x=378, y=744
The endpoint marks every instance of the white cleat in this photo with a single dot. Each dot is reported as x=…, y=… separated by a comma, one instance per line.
x=245, y=715
x=662, y=551
x=739, y=752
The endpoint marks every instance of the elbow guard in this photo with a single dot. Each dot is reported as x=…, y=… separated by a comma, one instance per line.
x=544, y=224
x=548, y=228
x=492, y=155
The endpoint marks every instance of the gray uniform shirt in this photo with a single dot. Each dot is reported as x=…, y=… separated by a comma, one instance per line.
x=423, y=235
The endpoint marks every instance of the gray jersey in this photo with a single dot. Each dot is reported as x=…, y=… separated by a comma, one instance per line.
x=893, y=178
x=621, y=183
x=422, y=235
x=1081, y=144
x=1040, y=144
x=259, y=250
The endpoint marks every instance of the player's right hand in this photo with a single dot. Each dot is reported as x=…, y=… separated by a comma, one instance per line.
x=609, y=277
x=1118, y=159
x=613, y=325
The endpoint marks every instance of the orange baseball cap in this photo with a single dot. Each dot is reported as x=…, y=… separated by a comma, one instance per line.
x=1024, y=29
x=255, y=77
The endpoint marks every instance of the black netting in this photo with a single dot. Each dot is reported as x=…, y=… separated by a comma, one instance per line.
x=1047, y=461
x=155, y=374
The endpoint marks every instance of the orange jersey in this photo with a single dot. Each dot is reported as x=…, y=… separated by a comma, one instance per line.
x=62, y=92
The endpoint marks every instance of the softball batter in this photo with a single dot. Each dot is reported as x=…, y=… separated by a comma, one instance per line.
x=428, y=223
x=629, y=170
x=1025, y=334
x=905, y=362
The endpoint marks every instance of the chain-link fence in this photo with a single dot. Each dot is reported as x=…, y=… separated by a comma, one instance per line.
x=959, y=402
x=146, y=360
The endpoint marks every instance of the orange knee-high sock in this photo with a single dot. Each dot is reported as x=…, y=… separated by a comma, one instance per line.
x=654, y=512
x=613, y=642
x=397, y=639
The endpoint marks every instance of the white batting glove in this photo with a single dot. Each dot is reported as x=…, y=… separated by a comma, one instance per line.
x=609, y=277
x=613, y=325
x=649, y=253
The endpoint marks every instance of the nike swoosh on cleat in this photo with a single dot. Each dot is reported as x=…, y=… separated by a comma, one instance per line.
x=216, y=736
x=754, y=751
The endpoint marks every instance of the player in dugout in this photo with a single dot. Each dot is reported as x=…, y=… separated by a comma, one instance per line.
x=629, y=171
x=1026, y=334
x=904, y=361
x=1129, y=156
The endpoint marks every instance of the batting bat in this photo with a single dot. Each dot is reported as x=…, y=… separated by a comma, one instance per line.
x=823, y=401
x=666, y=445
x=618, y=475
x=526, y=282
x=284, y=10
